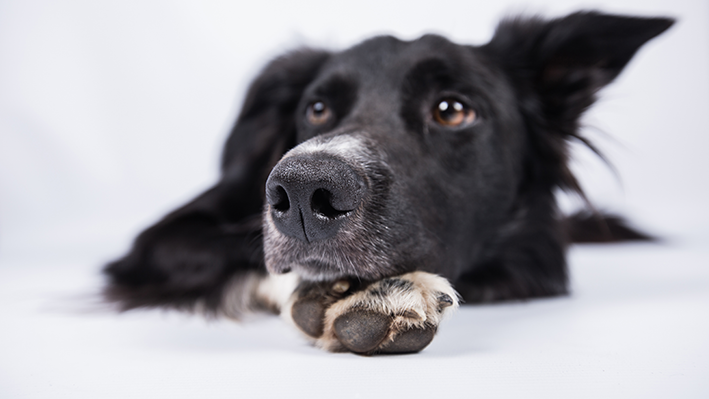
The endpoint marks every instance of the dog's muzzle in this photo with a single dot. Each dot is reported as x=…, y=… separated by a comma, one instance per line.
x=312, y=195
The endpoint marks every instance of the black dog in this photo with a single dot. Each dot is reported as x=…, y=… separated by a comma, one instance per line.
x=383, y=167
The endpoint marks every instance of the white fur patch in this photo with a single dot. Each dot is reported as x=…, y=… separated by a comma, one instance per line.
x=343, y=146
x=277, y=289
x=254, y=291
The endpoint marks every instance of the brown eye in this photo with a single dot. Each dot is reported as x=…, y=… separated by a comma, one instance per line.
x=452, y=113
x=318, y=113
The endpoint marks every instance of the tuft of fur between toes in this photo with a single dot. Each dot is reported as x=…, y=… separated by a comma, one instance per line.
x=394, y=315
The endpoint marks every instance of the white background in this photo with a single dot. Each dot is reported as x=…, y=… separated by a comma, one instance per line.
x=113, y=113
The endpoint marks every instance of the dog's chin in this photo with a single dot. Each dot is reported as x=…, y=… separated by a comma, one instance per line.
x=323, y=261
x=312, y=270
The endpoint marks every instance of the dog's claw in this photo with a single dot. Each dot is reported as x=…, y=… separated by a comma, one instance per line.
x=362, y=331
x=444, y=300
x=341, y=286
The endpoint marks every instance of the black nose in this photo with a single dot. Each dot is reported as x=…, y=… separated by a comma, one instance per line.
x=311, y=196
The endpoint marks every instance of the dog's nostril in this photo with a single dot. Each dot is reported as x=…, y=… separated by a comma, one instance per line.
x=321, y=205
x=310, y=197
x=280, y=199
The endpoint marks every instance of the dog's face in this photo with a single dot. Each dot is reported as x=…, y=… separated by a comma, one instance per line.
x=410, y=153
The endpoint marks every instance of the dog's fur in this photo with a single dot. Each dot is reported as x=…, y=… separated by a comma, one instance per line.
x=378, y=187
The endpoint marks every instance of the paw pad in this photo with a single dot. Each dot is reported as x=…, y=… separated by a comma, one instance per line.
x=366, y=332
x=362, y=331
x=410, y=341
x=308, y=316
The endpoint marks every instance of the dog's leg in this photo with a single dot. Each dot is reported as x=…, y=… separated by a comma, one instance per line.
x=257, y=292
x=393, y=315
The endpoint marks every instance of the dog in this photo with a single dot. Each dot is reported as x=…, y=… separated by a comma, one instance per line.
x=365, y=193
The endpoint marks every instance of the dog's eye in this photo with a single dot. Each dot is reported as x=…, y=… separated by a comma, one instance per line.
x=318, y=113
x=452, y=113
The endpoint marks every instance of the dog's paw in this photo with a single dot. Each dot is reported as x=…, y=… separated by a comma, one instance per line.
x=393, y=315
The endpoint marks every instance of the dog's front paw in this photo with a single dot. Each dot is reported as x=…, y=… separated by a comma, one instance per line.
x=393, y=315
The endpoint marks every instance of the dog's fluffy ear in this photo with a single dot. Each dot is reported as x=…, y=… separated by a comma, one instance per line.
x=190, y=255
x=567, y=60
x=556, y=67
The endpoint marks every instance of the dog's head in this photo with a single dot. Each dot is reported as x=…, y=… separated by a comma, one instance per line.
x=398, y=155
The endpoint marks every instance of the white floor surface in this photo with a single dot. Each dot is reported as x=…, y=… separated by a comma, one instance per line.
x=636, y=326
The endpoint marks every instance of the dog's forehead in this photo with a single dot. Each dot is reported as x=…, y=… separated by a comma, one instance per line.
x=388, y=59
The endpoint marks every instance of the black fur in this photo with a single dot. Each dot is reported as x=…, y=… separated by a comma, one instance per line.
x=474, y=204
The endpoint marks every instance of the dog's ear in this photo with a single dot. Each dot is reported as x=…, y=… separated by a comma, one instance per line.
x=565, y=61
x=191, y=254
x=557, y=66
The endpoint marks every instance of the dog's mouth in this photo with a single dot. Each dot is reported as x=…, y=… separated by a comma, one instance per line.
x=351, y=254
